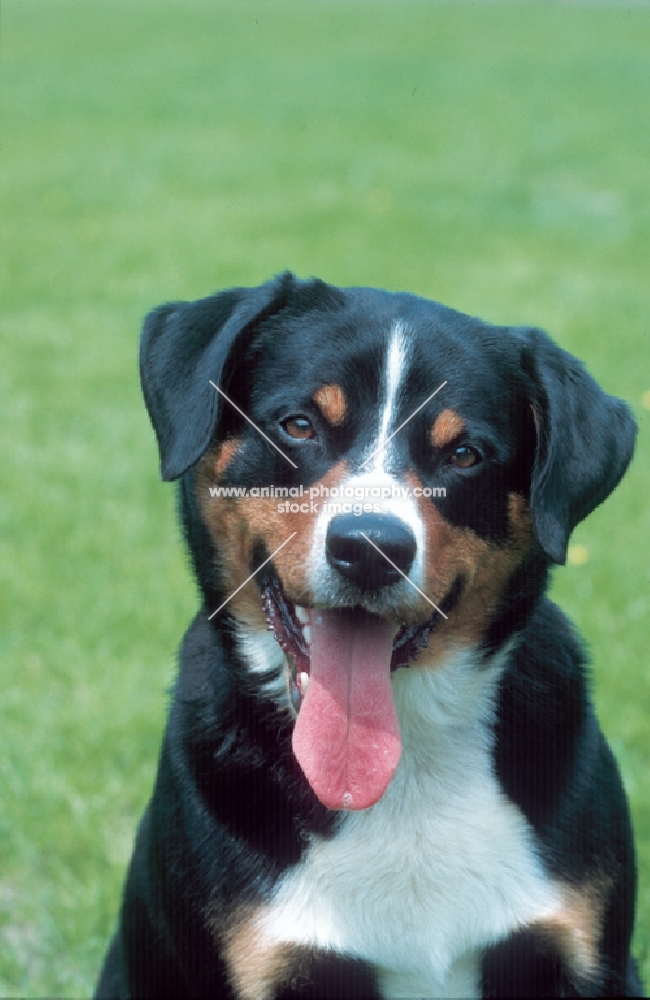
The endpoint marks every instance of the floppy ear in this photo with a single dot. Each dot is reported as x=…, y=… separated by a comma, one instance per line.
x=184, y=345
x=585, y=441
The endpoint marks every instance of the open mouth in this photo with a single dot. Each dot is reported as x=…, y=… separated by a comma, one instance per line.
x=346, y=737
x=291, y=626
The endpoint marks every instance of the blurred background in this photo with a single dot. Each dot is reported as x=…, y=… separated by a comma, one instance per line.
x=494, y=156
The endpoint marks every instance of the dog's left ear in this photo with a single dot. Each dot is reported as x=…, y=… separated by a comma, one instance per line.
x=585, y=440
x=184, y=345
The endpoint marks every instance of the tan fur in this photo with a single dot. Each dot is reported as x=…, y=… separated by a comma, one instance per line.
x=446, y=427
x=484, y=568
x=253, y=970
x=257, y=969
x=223, y=456
x=237, y=523
x=575, y=930
x=331, y=401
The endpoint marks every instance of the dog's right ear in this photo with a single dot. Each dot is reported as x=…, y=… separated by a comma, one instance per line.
x=585, y=441
x=184, y=346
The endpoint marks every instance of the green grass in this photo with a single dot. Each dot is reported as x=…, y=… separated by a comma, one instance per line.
x=492, y=156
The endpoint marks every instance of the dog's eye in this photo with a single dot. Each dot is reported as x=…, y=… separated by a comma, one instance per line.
x=298, y=427
x=465, y=457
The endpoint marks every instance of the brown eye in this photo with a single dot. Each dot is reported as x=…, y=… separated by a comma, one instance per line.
x=465, y=457
x=298, y=427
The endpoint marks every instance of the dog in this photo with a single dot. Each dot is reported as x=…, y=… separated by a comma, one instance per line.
x=382, y=774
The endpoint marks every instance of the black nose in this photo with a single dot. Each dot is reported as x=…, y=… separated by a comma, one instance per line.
x=357, y=560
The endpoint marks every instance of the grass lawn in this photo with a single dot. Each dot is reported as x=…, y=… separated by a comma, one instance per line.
x=494, y=156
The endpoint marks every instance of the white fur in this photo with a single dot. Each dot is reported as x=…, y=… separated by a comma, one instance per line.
x=395, y=365
x=442, y=866
x=264, y=656
x=329, y=588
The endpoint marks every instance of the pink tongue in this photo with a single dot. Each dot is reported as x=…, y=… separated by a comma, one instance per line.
x=346, y=737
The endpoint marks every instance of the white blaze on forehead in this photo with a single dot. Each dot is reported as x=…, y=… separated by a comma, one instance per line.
x=396, y=358
x=360, y=486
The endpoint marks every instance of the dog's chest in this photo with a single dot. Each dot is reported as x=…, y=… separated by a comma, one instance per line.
x=442, y=866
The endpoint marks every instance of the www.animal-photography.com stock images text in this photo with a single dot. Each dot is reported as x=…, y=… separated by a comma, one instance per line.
x=324, y=584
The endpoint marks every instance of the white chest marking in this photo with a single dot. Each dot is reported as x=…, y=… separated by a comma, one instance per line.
x=440, y=867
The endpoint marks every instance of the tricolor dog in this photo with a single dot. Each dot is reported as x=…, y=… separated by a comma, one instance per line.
x=382, y=775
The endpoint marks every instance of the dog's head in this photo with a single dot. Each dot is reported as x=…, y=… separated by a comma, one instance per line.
x=405, y=474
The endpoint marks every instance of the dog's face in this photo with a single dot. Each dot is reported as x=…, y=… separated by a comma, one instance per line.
x=409, y=470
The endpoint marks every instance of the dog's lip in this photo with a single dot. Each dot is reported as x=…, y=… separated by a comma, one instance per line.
x=291, y=625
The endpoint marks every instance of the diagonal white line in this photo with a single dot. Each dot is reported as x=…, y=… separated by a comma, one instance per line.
x=405, y=422
x=407, y=578
x=252, y=575
x=272, y=443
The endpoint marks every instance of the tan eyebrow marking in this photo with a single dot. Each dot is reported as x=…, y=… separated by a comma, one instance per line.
x=331, y=401
x=447, y=426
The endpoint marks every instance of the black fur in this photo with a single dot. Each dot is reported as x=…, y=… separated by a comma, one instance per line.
x=231, y=810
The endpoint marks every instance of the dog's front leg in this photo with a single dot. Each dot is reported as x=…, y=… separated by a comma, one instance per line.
x=291, y=972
